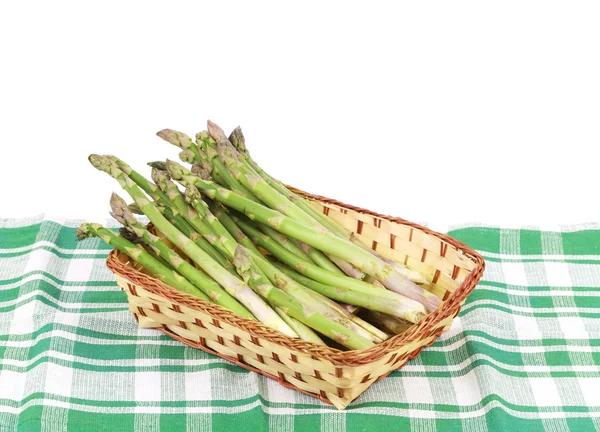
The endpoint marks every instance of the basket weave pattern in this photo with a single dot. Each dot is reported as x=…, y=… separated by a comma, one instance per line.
x=334, y=376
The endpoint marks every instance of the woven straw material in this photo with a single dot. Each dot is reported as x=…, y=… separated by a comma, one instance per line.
x=334, y=376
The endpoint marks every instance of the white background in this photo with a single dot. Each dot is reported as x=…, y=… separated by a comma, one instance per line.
x=438, y=112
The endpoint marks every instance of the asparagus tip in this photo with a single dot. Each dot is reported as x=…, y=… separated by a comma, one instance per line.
x=187, y=156
x=215, y=131
x=95, y=160
x=176, y=138
x=238, y=140
x=120, y=211
x=192, y=194
x=159, y=176
x=201, y=171
x=158, y=164
x=134, y=208
x=202, y=136
x=175, y=170
x=84, y=231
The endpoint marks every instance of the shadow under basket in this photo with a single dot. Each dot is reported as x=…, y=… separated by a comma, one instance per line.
x=334, y=376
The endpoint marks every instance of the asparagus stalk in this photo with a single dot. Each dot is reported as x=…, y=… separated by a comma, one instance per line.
x=302, y=330
x=323, y=240
x=374, y=333
x=297, y=249
x=162, y=198
x=342, y=288
x=188, y=231
x=209, y=146
x=259, y=187
x=371, y=302
x=181, y=140
x=285, y=242
x=229, y=282
x=212, y=289
x=327, y=222
x=154, y=266
x=191, y=216
x=302, y=312
x=264, y=267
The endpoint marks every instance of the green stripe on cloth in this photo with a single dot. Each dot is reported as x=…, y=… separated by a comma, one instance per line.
x=522, y=355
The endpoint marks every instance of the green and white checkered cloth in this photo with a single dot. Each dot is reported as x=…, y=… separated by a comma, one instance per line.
x=522, y=356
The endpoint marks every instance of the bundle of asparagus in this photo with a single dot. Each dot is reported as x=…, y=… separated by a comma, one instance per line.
x=247, y=243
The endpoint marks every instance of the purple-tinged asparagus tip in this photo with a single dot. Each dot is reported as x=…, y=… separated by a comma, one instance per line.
x=215, y=131
x=176, y=138
x=120, y=211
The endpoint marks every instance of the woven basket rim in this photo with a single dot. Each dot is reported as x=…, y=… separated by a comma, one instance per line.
x=419, y=331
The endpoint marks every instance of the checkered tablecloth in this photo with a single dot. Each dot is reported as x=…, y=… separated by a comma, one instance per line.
x=522, y=356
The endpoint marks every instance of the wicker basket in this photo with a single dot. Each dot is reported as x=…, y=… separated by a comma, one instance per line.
x=334, y=376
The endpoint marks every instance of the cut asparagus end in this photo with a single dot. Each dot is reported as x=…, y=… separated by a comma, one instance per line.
x=158, y=165
x=176, y=138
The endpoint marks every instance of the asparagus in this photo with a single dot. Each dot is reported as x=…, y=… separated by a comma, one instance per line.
x=327, y=222
x=265, y=268
x=302, y=312
x=285, y=242
x=191, y=233
x=191, y=216
x=342, y=288
x=199, y=222
x=229, y=282
x=212, y=289
x=303, y=331
x=154, y=266
x=209, y=146
x=259, y=187
x=162, y=198
x=238, y=140
x=181, y=140
x=297, y=249
x=361, y=299
x=187, y=156
x=320, y=239
x=134, y=208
